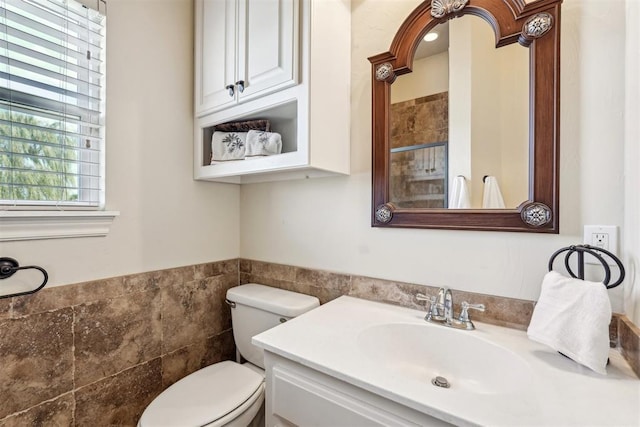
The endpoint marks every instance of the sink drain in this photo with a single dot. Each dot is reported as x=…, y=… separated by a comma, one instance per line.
x=440, y=382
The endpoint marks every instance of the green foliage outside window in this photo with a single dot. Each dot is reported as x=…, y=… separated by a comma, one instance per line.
x=37, y=161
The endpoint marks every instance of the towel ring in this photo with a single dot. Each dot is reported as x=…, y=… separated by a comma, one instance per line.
x=591, y=250
x=9, y=266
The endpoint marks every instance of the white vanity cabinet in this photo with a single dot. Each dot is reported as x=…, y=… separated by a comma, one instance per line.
x=294, y=58
x=353, y=362
x=244, y=49
x=299, y=396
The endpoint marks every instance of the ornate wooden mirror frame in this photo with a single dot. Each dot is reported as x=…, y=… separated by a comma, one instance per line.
x=535, y=25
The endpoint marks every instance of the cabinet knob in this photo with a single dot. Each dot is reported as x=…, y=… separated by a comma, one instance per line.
x=240, y=85
x=230, y=89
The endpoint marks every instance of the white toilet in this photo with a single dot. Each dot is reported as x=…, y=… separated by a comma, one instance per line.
x=229, y=393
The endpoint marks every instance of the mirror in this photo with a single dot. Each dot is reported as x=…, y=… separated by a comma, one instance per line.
x=465, y=133
x=459, y=82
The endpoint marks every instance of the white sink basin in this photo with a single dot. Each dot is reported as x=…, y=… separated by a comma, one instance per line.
x=498, y=376
x=421, y=352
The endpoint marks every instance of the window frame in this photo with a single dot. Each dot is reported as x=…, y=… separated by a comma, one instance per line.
x=33, y=220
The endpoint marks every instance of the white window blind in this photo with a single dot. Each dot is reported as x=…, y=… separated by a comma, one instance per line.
x=52, y=76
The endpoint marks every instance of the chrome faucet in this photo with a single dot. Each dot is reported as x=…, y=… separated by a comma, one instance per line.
x=448, y=306
x=441, y=310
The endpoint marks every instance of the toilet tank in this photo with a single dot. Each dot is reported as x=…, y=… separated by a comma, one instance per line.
x=256, y=308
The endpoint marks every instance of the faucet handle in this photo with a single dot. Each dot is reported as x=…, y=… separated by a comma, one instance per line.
x=433, y=306
x=464, y=312
x=423, y=297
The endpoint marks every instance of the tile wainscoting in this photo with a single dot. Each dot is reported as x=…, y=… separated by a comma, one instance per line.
x=325, y=285
x=97, y=353
x=509, y=312
x=629, y=338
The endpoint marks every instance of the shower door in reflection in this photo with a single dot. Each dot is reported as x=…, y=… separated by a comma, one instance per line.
x=418, y=176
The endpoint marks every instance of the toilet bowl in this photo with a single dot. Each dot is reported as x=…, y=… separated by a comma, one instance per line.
x=223, y=394
x=228, y=393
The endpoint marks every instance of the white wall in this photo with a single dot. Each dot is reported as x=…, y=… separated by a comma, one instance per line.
x=169, y=220
x=429, y=76
x=166, y=219
x=632, y=160
x=325, y=223
x=514, y=125
x=460, y=109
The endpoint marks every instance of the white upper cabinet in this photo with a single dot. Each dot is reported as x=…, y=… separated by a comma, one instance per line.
x=244, y=49
x=215, y=63
x=294, y=57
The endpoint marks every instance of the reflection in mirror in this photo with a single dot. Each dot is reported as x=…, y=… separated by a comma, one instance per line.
x=418, y=176
x=462, y=111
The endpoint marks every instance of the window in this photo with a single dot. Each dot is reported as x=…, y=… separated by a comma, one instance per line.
x=52, y=63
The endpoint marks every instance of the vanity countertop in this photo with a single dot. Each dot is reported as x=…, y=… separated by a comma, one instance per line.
x=549, y=390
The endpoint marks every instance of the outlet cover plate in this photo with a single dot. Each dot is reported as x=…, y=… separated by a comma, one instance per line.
x=604, y=236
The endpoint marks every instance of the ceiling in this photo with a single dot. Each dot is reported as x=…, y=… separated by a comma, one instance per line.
x=441, y=44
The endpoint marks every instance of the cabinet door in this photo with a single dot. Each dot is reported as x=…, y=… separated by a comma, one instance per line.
x=216, y=41
x=298, y=399
x=268, y=46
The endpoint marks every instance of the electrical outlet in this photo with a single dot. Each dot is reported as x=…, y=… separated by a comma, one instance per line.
x=600, y=240
x=601, y=236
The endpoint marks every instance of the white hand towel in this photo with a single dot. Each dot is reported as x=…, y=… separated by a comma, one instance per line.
x=228, y=146
x=572, y=316
x=459, y=198
x=261, y=143
x=491, y=196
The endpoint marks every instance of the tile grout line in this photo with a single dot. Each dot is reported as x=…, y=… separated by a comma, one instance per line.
x=53, y=399
x=73, y=363
x=162, y=331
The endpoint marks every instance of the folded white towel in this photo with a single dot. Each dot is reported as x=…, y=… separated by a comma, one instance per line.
x=261, y=143
x=228, y=146
x=459, y=198
x=491, y=196
x=572, y=316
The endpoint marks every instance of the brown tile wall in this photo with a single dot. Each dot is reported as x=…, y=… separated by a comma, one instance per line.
x=509, y=312
x=326, y=286
x=629, y=336
x=97, y=353
x=420, y=120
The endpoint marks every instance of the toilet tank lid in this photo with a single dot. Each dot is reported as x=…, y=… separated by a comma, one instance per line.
x=274, y=300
